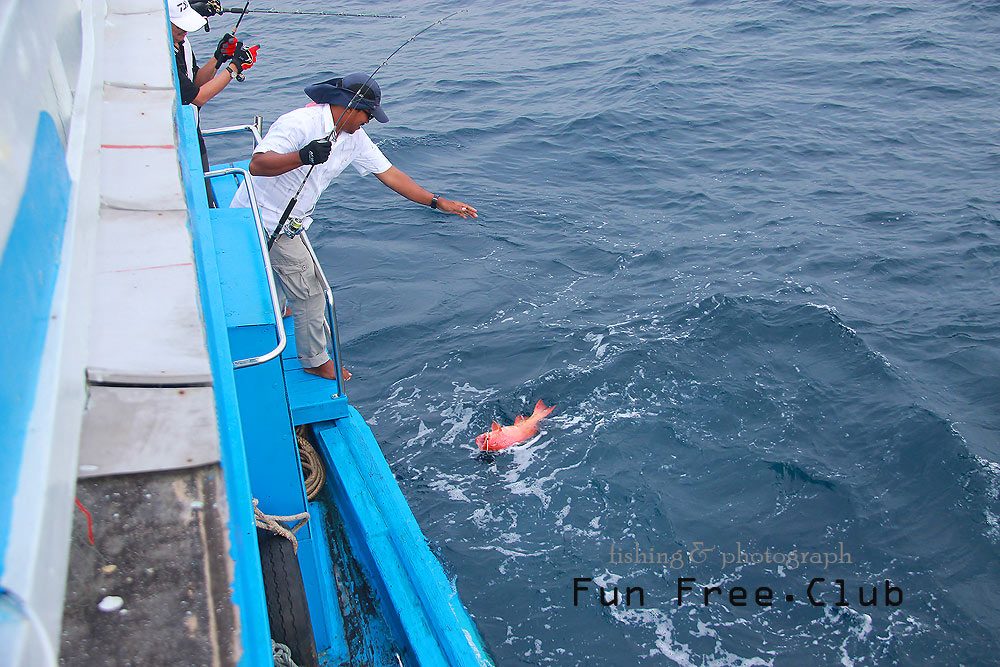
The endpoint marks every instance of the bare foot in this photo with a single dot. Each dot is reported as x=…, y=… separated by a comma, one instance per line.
x=329, y=371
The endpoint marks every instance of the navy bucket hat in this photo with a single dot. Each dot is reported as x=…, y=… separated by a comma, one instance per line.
x=343, y=91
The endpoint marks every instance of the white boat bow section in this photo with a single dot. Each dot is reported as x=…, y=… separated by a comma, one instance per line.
x=122, y=381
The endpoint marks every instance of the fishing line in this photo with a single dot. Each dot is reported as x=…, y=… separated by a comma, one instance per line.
x=295, y=198
x=234, y=10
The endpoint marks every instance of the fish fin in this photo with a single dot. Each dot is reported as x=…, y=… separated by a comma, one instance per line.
x=542, y=410
x=518, y=419
x=495, y=427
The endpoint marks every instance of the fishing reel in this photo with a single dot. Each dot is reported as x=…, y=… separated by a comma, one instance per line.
x=293, y=227
x=207, y=8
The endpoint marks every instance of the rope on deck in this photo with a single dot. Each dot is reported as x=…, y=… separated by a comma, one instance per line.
x=271, y=523
x=282, y=655
x=315, y=477
x=312, y=465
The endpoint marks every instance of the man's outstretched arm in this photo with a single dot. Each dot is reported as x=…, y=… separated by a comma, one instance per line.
x=398, y=181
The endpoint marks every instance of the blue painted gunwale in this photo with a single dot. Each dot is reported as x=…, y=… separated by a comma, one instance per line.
x=248, y=591
x=418, y=601
x=270, y=447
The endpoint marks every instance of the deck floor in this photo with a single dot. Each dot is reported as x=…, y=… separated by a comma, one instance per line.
x=160, y=545
x=311, y=398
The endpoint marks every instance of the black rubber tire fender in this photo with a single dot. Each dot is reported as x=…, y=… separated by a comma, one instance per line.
x=287, y=610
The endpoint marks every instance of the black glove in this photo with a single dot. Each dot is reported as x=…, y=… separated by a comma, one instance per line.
x=316, y=151
x=228, y=46
x=244, y=59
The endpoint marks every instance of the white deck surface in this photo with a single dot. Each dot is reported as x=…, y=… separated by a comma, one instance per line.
x=152, y=438
x=124, y=322
x=147, y=338
x=147, y=327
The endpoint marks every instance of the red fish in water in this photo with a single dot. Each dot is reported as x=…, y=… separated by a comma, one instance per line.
x=524, y=427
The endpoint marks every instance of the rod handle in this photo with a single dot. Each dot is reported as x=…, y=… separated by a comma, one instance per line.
x=281, y=222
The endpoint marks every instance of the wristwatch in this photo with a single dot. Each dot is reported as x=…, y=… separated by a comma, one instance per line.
x=232, y=74
x=434, y=201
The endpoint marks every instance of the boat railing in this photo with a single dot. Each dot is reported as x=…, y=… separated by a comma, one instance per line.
x=275, y=303
x=331, y=309
x=254, y=129
x=331, y=315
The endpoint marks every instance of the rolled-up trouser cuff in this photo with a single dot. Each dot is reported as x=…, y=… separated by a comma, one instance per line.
x=313, y=362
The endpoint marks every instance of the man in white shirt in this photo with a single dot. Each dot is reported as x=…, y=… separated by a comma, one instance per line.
x=300, y=140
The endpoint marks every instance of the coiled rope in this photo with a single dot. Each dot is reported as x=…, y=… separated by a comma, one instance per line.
x=315, y=477
x=312, y=465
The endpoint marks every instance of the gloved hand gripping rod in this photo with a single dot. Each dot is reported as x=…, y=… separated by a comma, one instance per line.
x=218, y=63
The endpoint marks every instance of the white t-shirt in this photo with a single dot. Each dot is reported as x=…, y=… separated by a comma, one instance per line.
x=290, y=132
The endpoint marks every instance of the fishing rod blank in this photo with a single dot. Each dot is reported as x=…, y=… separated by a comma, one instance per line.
x=295, y=198
x=243, y=12
x=234, y=10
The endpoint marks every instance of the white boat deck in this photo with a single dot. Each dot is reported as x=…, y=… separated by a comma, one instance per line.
x=146, y=338
x=124, y=383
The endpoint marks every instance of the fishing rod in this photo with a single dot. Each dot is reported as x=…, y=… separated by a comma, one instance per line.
x=232, y=35
x=234, y=10
x=295, y=198
x=243, y=13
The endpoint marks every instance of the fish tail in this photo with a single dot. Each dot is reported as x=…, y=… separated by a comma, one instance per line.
x=542, y=410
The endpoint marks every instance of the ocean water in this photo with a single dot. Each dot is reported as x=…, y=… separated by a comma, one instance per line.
x=750, y=250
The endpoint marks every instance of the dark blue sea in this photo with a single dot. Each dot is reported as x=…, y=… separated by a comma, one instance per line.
x=751, y=251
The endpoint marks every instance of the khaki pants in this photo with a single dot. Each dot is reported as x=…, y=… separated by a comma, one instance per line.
x=294, y=268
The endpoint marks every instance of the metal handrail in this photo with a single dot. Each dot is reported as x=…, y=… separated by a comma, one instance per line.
x=331, y=315
x=232, y=129
x=254, y=361
x=331, y=308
